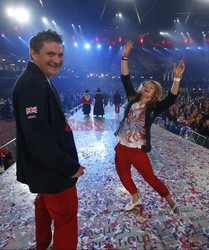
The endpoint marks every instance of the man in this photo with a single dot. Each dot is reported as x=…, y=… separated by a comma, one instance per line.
x=47, y=159
x=117, y=101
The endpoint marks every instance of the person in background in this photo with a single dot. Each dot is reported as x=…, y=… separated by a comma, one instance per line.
x=6, y=159
x=105, y=95
x=98, y=106
x=47, y=159
x=134, y=131
x=86, y=101
x=117, y=102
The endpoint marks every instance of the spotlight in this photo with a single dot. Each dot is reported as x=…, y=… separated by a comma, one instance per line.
x=20, y=14
x=141, y=40
x=45, y=20
x=185, y=40
x=98, y=46
x=10, y=12
x=87, y=46
x=110, y=47
x=75, y=44
x=119, y=15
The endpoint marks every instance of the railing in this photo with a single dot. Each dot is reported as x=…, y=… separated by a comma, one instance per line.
x=11, y=146
x=185, y=132
x=74, y=110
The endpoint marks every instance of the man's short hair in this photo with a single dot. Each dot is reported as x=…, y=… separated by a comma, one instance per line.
x=36, y=42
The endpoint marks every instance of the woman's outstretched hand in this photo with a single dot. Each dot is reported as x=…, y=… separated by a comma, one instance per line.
x=127, y=48
x=179, y=70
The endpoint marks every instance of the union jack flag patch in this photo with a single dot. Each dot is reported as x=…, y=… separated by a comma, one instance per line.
x=31, y=110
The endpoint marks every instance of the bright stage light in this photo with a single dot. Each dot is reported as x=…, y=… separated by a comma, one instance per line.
x=44, y=20
x=119, y=15
x=110, y=47
x=19, y=14
x=76, y=44
x=22, y=15
x=98, y=46
x=87, y=46
x=10, y=12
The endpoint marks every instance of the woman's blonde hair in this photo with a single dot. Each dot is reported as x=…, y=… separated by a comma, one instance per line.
x=157, y=94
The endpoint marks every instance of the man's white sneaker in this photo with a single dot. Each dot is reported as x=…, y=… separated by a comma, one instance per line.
x=131, y=205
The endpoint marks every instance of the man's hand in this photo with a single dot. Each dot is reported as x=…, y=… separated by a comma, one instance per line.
x=79, y=172
x=127, y=48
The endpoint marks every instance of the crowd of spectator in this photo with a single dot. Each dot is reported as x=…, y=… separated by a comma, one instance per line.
x=191, y=110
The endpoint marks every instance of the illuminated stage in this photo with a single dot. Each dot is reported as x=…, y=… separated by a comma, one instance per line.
x=103, y=223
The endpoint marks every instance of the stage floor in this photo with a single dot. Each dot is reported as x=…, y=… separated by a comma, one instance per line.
x=103, y=223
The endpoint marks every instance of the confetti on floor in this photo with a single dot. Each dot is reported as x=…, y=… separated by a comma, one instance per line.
x=103, y=222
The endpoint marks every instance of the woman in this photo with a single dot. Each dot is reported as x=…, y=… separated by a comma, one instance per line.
x=86, y=100
x=134, y=131
x=98, y=106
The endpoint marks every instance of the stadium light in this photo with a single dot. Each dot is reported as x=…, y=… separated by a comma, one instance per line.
x=45, y=20
x=87, y=46
x=19, y=14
